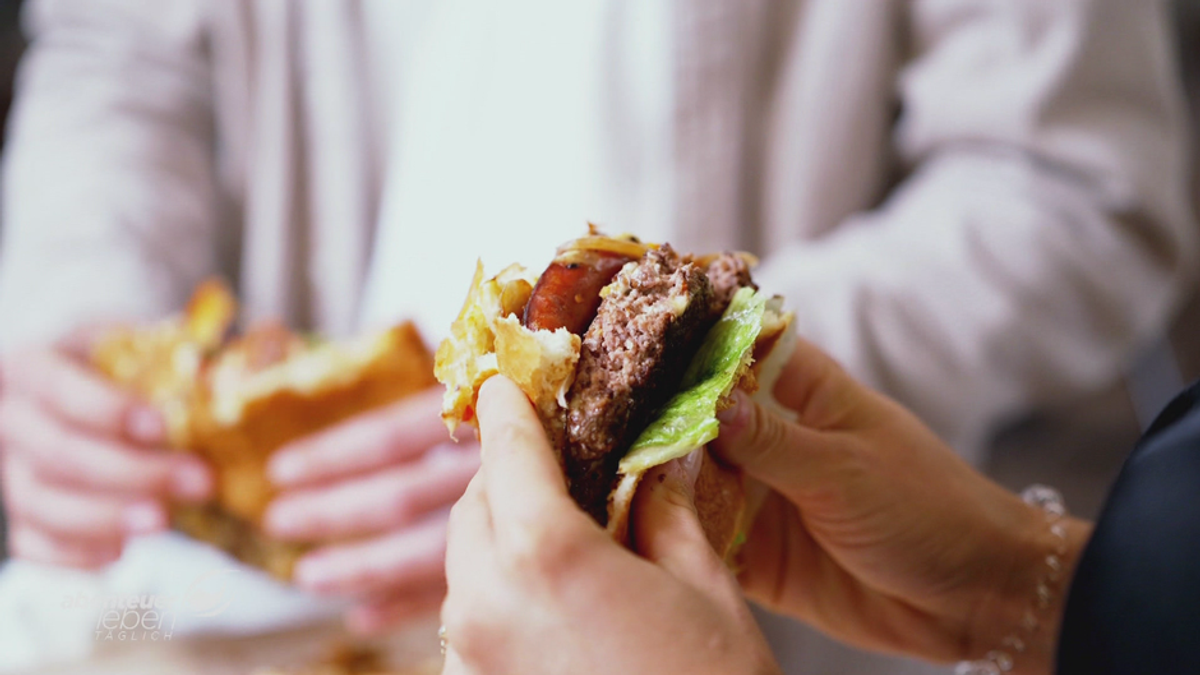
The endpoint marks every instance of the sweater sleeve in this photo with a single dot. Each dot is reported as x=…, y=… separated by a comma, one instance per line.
x=109, y=193
x=1042, y=231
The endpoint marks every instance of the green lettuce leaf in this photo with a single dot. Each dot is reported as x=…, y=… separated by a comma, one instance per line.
x=689, y=419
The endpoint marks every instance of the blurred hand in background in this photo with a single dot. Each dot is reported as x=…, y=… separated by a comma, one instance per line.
x=380, y=485
x=83, y=463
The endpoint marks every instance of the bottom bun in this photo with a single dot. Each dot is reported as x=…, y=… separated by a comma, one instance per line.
x=721, y=504
x=238, y=537
x=720, y=498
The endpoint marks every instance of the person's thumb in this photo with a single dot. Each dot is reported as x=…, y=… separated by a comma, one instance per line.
x=780, y=453
x=666, y=529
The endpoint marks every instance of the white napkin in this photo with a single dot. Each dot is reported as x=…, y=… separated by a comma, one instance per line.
x=165, y=587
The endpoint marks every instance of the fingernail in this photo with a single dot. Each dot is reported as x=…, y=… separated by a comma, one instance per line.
x=191, y=481
x=675, y=478
x=285, y=469
x=313, y=573
x=144, y=518
x=280, y=520
x=734, y=416
x=145, y=425
x=690, y=463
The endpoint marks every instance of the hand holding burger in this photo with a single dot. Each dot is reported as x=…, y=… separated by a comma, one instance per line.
x=82, y=462
x=379, y=487
x=874, y=531
x=536, y=586
x=330, y=462
x=879, y=535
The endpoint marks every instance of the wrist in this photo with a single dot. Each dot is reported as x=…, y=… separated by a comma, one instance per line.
x=1018, y=618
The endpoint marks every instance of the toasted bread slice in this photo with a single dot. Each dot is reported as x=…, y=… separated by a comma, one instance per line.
x=234, y=404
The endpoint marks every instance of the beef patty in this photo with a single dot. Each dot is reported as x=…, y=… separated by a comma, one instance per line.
x=727, y=273
x=649, y=325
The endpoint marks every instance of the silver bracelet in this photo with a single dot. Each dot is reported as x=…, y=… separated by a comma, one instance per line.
x=1000, y=660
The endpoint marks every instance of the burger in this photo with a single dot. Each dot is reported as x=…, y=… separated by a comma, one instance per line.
x=235, y=400
x=627, y=350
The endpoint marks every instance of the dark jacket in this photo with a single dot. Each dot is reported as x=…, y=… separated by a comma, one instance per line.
x=1134, y=604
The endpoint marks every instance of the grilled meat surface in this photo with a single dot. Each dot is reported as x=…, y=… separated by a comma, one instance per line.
x=649, y=324
x=727, y=273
